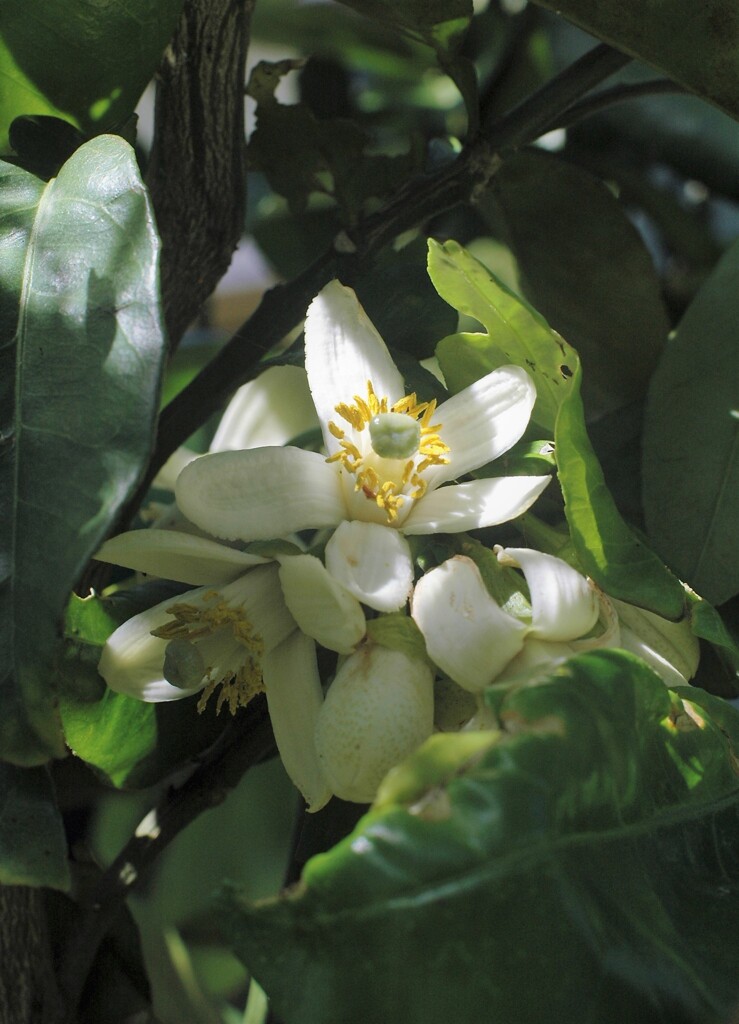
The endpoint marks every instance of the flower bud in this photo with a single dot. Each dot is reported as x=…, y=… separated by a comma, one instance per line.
x=378, y=709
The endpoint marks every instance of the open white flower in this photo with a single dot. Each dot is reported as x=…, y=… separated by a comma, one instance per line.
x=250, y=628
x=391, y=459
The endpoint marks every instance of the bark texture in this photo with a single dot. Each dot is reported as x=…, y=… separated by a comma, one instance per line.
x=28, y=993
x=197, y=171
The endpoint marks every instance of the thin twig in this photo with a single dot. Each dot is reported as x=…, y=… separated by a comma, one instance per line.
x=619, y=94
x=244, y=742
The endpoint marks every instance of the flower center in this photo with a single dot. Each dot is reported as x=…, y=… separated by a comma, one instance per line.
x=394, y=435
x=213, y=644
x=403, y=443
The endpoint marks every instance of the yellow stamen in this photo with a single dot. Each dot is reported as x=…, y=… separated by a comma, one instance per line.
x=214, y=616
x=433, y=451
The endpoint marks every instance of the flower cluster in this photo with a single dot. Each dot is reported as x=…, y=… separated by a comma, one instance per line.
x=392, y=467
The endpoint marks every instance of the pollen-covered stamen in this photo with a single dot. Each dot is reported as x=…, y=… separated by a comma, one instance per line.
x=213, y=644
x=403, y=443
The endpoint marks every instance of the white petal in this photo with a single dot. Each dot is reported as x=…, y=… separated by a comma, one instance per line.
x=342, y=352
x=133, y=659
x=483, y=421
x=458, y=507
x=378, y=710
x=373, y=562
x=322, y=608
x=467, y=635
x=537, y=654
x=294, y=699
x=181, y=557
x=270, y=410
x=564, y=605
x=260, y=494
x=259, y=595
x=656, y=660
x=172, y=468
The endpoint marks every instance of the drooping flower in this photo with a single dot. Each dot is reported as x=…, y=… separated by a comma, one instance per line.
x=390, y=464
x=475, y=642
x=249, y=627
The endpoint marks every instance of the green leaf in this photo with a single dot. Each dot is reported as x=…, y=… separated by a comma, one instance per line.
x=565, y=227
x=695, y=44
x=691, y=440
x=398, y=632
x=607, y=548
x=85, y=62
x=111, y=732
x=33, y=848
x=707, y=624
x=578, y=865
x=516, y=333
x=81, y=344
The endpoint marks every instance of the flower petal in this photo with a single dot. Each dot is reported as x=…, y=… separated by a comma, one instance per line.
x=132, y=660
x=342, y=352
x=259, y=596
x=167, y=475
x=483, y=421
x=467, y=635
x=373, y=562
x=182, y=557
x=564, y=605
x=458, y=507
x=294, y=699
x=322, y=608
x=270, y=410
x=378, y=710
x=261, y=493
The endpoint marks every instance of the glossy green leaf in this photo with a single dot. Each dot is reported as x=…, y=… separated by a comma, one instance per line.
x=85, y=62
x=81, y=343
x=691, y=441
x=607, y=548
x=565, y=228
x=581, y=864
x=697, y=44
x=516, y=333
x=33, y=848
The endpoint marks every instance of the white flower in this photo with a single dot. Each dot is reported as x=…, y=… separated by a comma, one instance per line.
x=475, y=642
x=250, y=628
x=390, y=460
x=378, y=710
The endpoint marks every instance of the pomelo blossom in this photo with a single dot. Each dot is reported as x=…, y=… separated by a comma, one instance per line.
x=475, y=642
x=390, y=464
x=249, y=627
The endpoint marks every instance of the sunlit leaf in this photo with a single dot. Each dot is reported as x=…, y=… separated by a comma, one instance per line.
x=608, y=549
x=691, y=441
x=581, y=864
x=81, y=344
x=85, y=62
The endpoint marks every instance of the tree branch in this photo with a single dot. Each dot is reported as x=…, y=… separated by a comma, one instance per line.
x=197, y=171
x=246, y=741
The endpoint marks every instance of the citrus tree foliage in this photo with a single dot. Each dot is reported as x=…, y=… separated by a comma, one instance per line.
x=459, y=561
